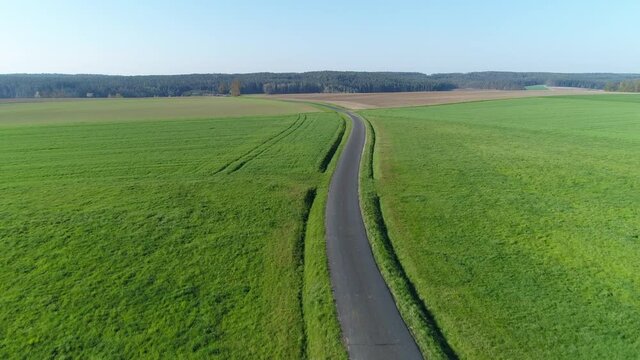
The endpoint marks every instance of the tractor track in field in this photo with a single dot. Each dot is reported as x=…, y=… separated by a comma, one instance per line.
x=372, y=326
x=262, y=147
x=290, y=131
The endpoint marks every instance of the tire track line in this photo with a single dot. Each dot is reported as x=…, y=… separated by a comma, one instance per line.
x=228, y=164
x=254, y=156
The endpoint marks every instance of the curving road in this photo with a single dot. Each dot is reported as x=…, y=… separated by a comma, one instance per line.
x=371, y=324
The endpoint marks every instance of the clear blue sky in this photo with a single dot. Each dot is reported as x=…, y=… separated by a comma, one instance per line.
x=193, y=36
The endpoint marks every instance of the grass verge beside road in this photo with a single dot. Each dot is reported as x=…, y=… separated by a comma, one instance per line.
x=323, y=328
x=420, y=321
x=517, y=221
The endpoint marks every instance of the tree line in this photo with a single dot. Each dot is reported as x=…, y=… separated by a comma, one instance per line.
x=519, y=80
x=624, y=86
x=59, y=85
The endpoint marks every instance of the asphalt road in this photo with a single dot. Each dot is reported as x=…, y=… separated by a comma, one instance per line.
x=371, y=324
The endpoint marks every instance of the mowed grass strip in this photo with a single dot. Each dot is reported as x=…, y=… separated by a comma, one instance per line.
x=118, y=241
x=517, y=221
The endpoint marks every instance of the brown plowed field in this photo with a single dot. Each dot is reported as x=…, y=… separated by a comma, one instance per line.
x=385, y=100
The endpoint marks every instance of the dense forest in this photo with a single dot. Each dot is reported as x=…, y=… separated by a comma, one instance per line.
x=57, y=85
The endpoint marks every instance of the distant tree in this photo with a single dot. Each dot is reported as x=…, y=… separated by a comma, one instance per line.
x=235, y=87
x=626, y=86
x=223, y=89
x=268, y=88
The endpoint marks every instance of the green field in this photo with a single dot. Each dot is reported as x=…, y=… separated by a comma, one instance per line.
x=125, y=236
x=116, y=110
x=536, y=87
x=517, y=221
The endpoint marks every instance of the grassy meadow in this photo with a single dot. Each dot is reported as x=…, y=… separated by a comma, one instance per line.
x=517, y=221
x=536, y=87
x=164, y=228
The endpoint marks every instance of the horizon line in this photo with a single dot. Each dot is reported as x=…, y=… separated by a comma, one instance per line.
x=318, y=71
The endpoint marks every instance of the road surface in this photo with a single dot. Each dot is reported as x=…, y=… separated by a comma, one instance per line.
x=371, y=324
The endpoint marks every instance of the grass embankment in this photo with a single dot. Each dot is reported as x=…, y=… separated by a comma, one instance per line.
x=322, y=325
x=517, y=222
x=419, y=320
x=118, y=239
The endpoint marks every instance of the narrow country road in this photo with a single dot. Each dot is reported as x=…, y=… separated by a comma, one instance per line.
x=371, y=324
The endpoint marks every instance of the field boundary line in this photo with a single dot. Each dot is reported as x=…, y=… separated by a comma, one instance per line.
x=416, y=314
x=372, y=138
x=299, y=252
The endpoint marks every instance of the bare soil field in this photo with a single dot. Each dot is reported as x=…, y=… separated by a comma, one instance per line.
x=400, y=99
